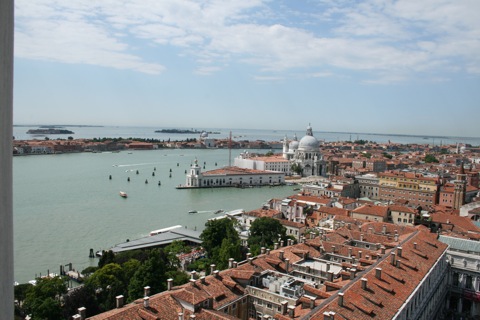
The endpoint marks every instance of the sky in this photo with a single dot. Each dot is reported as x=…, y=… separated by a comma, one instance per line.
x=373, y=66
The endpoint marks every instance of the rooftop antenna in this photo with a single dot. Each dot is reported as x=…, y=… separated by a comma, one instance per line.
x=230, y=150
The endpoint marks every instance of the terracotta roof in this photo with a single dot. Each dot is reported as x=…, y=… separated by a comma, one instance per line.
x=380, y=211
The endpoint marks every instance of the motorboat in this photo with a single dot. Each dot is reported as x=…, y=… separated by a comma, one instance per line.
x=192, y=211
x=123, y=194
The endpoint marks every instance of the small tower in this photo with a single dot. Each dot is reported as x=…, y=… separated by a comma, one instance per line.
x=460, y=189
x=285, y=145
x=194, y=177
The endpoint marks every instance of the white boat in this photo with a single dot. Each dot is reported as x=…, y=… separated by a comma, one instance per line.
x=192, y=211
x=123, y=194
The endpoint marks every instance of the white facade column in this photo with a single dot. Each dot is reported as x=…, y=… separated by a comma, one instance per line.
x=6, y=147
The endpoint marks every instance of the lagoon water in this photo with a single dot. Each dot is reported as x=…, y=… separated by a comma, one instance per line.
x=66, y=204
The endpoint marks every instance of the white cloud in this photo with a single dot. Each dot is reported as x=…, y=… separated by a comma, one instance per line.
x=377, y=37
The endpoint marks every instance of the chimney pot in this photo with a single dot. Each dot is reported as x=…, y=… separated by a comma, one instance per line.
x=146, y=291
x=146, y=302
x=192, y=316
x=328, y=266
x=275, y=246
x=415, y=245
x=235, y=264
x=202, y=279
x=180, y=316
x=284, y=305
x=119, y=301
x=399, y=251
x=250, y=260
x=340, y=299
x=281, y=254
x=378, y=273
x=398, y=263
x=291, y=311
x=262, y=250
x=215, y=273
x=268, y=251
x=230, y=263
x=281, y=243
x=193, y=275
x=76, y=317
x=82, y=311
x=364, y=283
x=212, y=268
x=392, y=258
x=360, y=254
x=312, y=303
x=287, y=265
x=330, y=276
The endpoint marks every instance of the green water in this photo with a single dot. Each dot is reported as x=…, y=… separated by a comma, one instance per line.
x=66, y=204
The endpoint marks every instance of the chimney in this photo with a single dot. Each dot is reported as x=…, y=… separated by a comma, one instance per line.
x=169, y=284
x=370, y=230
x=262, y=250
x=415, y=245
x=76, y=317
x=330, y=276
x=82, y=311
x=340, y=299
x=395, y=237
x=328, y=266
x=146, y=302
x=329, y=315
x=382, y=249
x=392, y=258
x=398, y=264
x=360, y=254
x=291, y=311
x=180, y=316
x=399, y=251
x=361, y=236
x=349, y=252
x=202, y=279
x=119, y=301
x=235, y=264
x=193, y=275
x=364, y=283
x=192, y=316
x=230, y=263
x=378, y=273
x=312, y=303
x=281, y=254
x=281, y=243
x=215, y=274
x=275, y=246
x=250, y=261
x=333, y=249
x=268, y=251
x=284, y=304
x=384, y=229
x=306, y=255
x=212, y=268
x=352, y=273
x=287, y=265
x=146, y=291
x=249, y=255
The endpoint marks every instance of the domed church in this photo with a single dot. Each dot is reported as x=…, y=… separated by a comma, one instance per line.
x=305, y=153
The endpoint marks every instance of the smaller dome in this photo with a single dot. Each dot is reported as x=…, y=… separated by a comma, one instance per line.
x=293, y=145
x=204, y=134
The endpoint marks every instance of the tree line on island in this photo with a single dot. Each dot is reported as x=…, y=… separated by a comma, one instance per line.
x=127, y=273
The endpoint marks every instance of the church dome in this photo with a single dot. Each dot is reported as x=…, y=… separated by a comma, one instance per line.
x=204, y=134
x=308, y=143
x=293, y=145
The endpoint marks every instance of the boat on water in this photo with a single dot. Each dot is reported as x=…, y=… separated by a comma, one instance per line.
x=218, y=211
x=192, y=211
x=123, y=194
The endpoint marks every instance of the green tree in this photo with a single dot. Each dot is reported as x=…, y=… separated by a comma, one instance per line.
x=43, y=300
x=215, y=232
x=264, y=232
x=296, y=168
x=107, y=283
x=230, y=248
x=429, y=158
x=151, y=273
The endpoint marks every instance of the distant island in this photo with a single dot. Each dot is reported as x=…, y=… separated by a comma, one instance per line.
x=49, y=131
x=184, y=131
